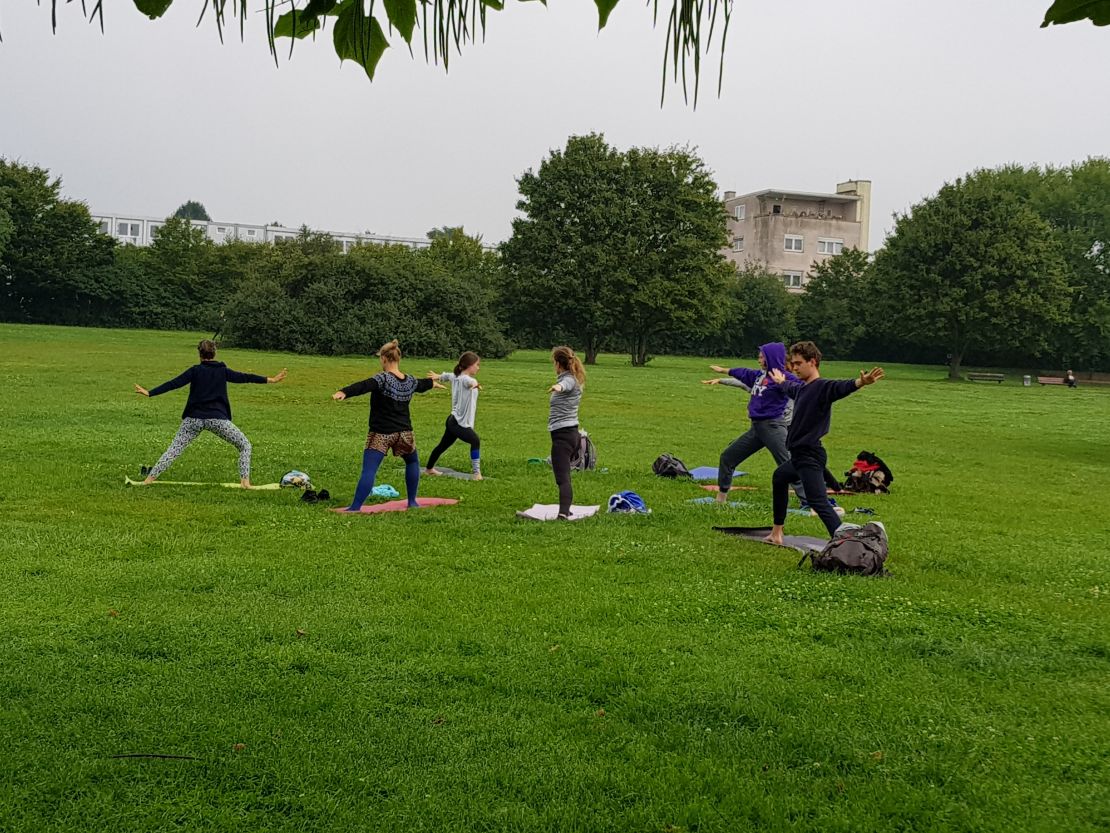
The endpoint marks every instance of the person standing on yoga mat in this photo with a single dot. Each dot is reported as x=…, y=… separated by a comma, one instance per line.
x=562, y=421
x=813, y=399
x=460, y=422
x=207, y=409
x=390, y=424
x=769, y=410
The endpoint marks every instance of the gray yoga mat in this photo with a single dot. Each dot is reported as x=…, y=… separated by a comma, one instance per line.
x=801, y=543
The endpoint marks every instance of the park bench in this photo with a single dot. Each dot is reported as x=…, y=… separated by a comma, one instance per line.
x=1049, y=380
x=986, y=377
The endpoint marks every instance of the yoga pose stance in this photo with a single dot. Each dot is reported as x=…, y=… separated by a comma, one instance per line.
x=390, y=424
x=813, y=399
x=769, y=410
x=460, y=422
x=207, y=409
x=562, y=421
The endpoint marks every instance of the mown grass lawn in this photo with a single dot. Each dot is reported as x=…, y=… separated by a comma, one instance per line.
x=456, y=669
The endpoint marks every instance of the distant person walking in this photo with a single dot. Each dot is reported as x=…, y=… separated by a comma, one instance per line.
x=460, y=422
x=207, y=409
x=562, y=421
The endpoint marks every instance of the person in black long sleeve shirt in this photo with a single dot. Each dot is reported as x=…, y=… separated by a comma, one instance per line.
x=207, y=409
x=390, y=424
x=813, y=399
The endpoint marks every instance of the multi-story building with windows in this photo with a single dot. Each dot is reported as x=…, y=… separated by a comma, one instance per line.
x=135, y=230
x=788, y=231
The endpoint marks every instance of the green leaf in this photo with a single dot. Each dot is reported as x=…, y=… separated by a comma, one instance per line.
x=1069, y=11
x=358, y=37
x=319, y=8
x=402, y=16
x=153, y=9
x=297, y=24
x=604, y=8
x=494, y=4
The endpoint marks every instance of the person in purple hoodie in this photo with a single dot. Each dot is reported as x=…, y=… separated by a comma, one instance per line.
x=813, y=400
x=769, y=410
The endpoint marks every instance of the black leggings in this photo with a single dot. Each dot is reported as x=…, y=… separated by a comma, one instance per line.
x=453, y=431
x=807, y=465
x=564, y=442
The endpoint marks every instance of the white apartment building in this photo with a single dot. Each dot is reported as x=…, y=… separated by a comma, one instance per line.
x=788, y=231
x=136, y=230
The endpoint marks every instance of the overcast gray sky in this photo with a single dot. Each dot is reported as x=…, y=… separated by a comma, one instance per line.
x=907, y=94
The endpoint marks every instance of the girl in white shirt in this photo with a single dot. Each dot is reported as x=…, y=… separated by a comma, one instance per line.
x=464, y=403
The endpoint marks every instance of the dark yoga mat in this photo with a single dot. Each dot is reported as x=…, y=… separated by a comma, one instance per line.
x=801, y=543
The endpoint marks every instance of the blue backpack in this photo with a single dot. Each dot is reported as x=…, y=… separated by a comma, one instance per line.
x=628, y=502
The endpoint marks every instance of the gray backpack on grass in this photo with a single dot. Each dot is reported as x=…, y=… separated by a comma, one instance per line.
x=853, y=549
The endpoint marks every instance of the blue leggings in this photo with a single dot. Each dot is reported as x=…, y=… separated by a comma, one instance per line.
x=370, y=462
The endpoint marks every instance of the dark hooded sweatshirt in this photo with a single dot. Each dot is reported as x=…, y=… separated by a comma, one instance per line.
x=207, y=383
x=769, y=401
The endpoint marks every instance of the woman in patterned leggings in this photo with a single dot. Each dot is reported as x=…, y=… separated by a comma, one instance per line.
x=207, y=409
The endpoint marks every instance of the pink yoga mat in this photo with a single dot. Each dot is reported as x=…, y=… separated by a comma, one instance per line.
x=398, y=505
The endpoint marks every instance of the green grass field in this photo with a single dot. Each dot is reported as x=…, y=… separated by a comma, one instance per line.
x=455, y=669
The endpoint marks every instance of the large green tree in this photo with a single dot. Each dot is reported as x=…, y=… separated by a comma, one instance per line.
x=615, y=248
x=972, y=267
x=669, y=243
x=55, y=266
x=834, y=310
x=563, y=262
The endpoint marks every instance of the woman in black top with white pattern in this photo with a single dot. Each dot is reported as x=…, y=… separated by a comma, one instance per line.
x=390, y=424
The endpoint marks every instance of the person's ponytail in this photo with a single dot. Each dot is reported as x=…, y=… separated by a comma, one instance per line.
x=567, y=360
x=467, y=359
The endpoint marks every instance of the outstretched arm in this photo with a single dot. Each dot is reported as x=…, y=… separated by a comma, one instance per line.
x=356, y=389
x=142, y=390
x=273, y=380
x=173, y=384
x=716, y=368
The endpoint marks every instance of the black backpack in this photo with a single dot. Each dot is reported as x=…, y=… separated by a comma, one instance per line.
x=667, y=465
x=854, y=549
x=585, y=457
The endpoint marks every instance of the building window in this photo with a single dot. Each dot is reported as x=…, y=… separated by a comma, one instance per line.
x=154, y=229
x=738, y=244
x=221, y=229
x=103, y=228
x=793, y=243
x=741, y=211
x=829, y=246
x=250, y=232
x=776, y=209
x=792, y=280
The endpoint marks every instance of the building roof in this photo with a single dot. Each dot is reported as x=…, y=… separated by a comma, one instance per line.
x=799, y=195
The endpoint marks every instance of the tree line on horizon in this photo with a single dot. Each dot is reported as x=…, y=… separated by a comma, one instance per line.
x=614, y=250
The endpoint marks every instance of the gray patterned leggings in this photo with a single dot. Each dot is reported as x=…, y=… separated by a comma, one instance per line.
x=190, y=429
